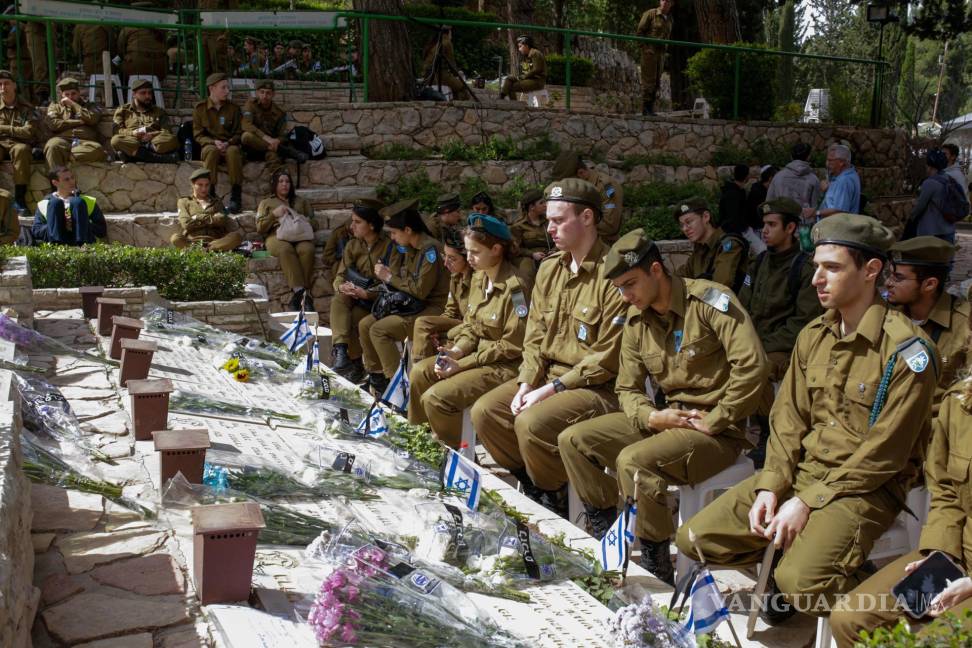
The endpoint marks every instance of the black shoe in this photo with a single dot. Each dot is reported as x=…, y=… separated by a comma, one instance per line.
x=600, y=520
x=236, y=201
x=556, y=502
x=656, y=557
x=758, y=454
x=341, y=360
x=529, y=489
x=20, y=200
x=355, y=372
x=296, y=300
x=126, y=158
x=308, y=302
x=775, y=609
x=378, y=384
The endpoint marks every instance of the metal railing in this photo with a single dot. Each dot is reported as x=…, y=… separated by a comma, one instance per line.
x=188, y=23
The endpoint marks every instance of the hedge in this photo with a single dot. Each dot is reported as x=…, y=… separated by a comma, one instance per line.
x=190, y=274
x=581, y=70
x=712, y=74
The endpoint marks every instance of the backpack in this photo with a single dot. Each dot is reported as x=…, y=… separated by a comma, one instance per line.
x=737, y=283
x=307, y=141
x=792, y=277
x=955, y=206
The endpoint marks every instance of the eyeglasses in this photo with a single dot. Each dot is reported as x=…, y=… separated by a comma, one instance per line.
x=897, y=277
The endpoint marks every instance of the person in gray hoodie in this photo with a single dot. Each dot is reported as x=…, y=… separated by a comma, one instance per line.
x=797, y=180
x=927, y=218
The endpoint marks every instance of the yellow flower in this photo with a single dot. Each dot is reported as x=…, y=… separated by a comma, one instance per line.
x=231, y=365
x=243, y=375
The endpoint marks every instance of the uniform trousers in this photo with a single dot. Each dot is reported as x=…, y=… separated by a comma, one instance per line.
x=59, y=152
x=378, y=339
x=426, y=331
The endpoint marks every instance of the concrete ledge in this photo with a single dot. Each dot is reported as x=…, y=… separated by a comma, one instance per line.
x=16, y=291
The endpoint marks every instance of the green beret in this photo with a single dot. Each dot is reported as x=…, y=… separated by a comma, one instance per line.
x=923, y=251
x=199, y=173
x=627, y=252
x=692, y=205
x=215, y=78
x=67, y=83
x=264, y=83
x=490, y=225
x=854, y=231
x=566, y=165
x=369, y=203
x=141, y=83
x=400, y=207
x=448, y=202
x=782, y=205
x=574, y=190
x=5, y=74
x=529, y=197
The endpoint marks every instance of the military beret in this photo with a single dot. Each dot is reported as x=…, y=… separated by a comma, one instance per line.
x=627, y=252
x=397, y=214
x=452, y=236
x=529, y=197
x=5, y=74
x=566, y=165
x=370, y=211
x=448, y=202
x=481, y=197
x=692, y=205
x=264, y=83
x=141, y=83
x=67, y=83
x=215, y=78
x=781, y=205
x=574, y=190
x=199, y=173
x=854, y=231
x=923, y=251
x=490, y=225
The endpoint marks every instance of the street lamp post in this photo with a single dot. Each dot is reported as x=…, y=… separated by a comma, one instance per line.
x=879, y=13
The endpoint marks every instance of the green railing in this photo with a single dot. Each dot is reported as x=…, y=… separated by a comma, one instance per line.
x=189, y=24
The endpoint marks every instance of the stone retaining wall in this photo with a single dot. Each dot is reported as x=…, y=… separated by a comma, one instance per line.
x=16, y=292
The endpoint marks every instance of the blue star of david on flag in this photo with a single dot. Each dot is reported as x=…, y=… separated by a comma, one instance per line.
x=461, y=475
x=616, y=542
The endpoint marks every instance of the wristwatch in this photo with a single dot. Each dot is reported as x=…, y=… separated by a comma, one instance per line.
x=559, y=386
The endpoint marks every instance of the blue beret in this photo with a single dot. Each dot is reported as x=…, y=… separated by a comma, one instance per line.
x=490, y=225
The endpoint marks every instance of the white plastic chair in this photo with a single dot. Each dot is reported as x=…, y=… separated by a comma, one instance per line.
x=536, y=99
x=156, y=85
x=97, y=81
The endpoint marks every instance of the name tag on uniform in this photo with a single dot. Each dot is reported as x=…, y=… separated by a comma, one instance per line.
x=582, y=333
x=222, y=120
x=716, y=299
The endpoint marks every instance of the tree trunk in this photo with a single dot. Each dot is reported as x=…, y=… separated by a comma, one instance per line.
x=718, y=21
x=787, y=43
x=390, y=73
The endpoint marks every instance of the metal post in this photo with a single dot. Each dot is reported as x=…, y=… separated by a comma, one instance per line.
x=735, y=88
x=51, y=67
x=200, y=63
x=568, y=57
x=365, y=58
x=878, y=72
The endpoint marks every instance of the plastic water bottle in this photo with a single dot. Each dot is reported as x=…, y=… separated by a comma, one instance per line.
x=187, y=150
x=75, y=142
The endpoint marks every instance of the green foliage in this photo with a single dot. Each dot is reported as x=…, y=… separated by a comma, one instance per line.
x=949, y=631
x=501, y=148
x=581, y=70
x=712, y=74
x=788, y=112
x=760, y=151
x=629, y=162
x=395, y=151
x=650, y=206
x=414, y=185
x=475, y=50
x=190, y=274
x=846, y=107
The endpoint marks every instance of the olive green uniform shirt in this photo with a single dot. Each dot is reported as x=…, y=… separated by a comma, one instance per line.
x=201, y=222
x=534, y=66
x=270, y=122
x=333, y=250
x=716, y=259
x=820, y=419
x=361, y=257
x=777, y=313
x=420, y=272
x=141, y=42
x=948, y=327
x=703, y=354
x=18, y=123
x=79, y=120
x=531, y=238
x=612, y=203
x=575, y=323
x=128, y=119
x=267, y=223
x=494, y=323
x=459, y=286
x=210, y=124
x=655, y=24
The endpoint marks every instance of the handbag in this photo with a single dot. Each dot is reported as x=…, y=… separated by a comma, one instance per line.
x=294, y=228
x=396, y=302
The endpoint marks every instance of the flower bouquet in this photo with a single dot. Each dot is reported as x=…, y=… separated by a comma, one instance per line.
x=32, y=342
x=643, y=625
x=369, y=598
x=259, y=480
x=192, y=403
x=380, y=467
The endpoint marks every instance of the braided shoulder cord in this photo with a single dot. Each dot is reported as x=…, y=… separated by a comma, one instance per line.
x=882, y=391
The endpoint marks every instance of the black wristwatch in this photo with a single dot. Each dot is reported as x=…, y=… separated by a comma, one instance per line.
x=559, y=386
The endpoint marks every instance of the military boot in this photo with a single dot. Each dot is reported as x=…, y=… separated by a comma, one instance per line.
x=529, y=488
x=341, y=360
x=355, y=372
x=600, y=520
x=297, y=299
x=656, y=557
x=20, y=200
x=556, y=502
x=236, y=199
x=378, y=383
x=774, y=609
x=758, y=454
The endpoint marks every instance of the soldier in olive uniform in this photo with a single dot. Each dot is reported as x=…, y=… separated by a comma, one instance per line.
x=482, y=203
x=9, y=224
x=447, y=215
x=142, y=50
x=947, y=529
x=37, y=46
x=533, y=70
x=916, y=285
x=142, y=128
x=217, y=127
x=487, y=345
x=215, y=42
x=654, y=23
x=417, y=271
x=73, y=124
x=569, y=164
x=89, y=41
x=265, y=127
x=779, y=295
x=443, y=74
x=696, y=343
x=355, y=283
x=202, y=221
x=17, y=135
x=432, y=331
x=296, y=257
x=849, y=430
x=533, y=244
x=570, y=354
x=716, y=255
x=337, y=240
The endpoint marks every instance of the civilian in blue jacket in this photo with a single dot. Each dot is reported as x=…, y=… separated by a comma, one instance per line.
x=66, y=216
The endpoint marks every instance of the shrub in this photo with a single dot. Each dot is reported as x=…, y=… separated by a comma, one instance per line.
x=759, y=151
x=476, y=54
x=650, y=206
x=501, y=148
x=395, y=151
x=190, y=274
x=581, y=70
x=711, y=73
x=788, y=112
x=414, y=185
x=951, y=630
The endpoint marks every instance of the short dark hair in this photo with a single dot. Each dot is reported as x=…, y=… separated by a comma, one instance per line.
x=768, y=172
x=923, y=272
x=800, y=151
x=55, y=173
x=740, y=172
x=787, y=218
x=952, y=149
x=862, y=257
x=653, y=255
x=525, y=40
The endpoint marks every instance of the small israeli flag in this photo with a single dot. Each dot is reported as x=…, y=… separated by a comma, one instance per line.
x=298, y=333
x=396, y=394
x=707, y=609
x=373, y=425
x=616, y=543
x=462, y=475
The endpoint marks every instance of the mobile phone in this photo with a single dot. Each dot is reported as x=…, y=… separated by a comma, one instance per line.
x=440, y=360
x=917, y=590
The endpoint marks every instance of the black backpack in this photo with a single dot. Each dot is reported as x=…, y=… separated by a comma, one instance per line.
x=307, y=141
x=185, y=133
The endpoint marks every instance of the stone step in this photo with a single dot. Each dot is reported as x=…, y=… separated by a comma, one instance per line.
x=338, y=197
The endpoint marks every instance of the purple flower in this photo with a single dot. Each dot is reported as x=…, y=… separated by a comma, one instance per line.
x=347, y=633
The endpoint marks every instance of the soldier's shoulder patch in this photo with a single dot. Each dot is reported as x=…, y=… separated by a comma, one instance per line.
x=916, y=354
x=519, y=303
x=431, y=255
x=748, y=280
x=717, y=299
x=608, y=206
x=620, y=320
x=609, y=191
x=727, y=245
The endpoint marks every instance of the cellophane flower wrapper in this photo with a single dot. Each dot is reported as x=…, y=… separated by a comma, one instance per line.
x=369, y=597
x=382, y=466
x=30, y=342
x=643, y=625
x=195, y=403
